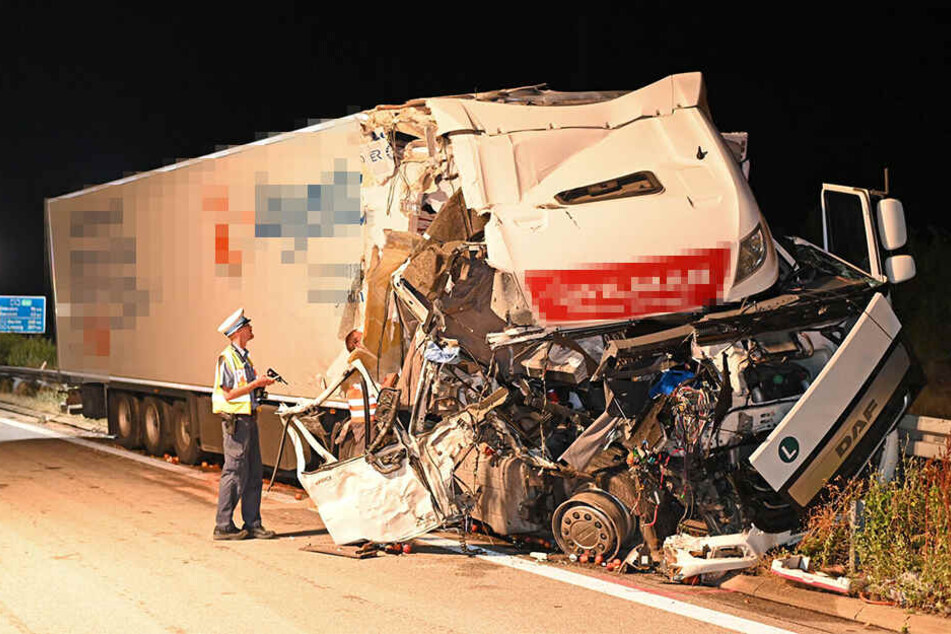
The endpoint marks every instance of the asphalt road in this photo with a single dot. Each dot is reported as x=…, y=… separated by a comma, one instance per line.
x=97, y=542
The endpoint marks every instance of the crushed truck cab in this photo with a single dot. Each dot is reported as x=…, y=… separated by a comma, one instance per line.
x=560, y=313
x=589, y=330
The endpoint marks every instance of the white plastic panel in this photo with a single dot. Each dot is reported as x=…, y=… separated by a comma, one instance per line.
x=829, y=395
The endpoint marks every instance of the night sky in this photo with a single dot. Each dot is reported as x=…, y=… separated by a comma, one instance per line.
x=89, y=95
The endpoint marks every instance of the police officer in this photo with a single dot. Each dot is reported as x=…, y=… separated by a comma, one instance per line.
x=235, y=399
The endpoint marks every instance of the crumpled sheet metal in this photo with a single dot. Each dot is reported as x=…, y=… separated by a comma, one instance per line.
x=688, y=556
x=441, y=450
x=662, y=97
x=516, y=150
x=383, y=498
x=358, y=502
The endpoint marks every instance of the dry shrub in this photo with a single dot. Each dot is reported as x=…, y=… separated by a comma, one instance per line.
x=903, y=544
x=828, y=537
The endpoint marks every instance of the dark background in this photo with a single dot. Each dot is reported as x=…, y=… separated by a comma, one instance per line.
x=89, y=94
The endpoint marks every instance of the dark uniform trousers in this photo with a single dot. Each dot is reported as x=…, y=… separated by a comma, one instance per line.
x=242, y=473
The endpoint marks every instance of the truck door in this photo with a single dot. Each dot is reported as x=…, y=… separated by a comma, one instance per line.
x=849, y=228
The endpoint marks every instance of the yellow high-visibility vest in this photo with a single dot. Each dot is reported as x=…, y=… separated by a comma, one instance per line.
x=241, y=404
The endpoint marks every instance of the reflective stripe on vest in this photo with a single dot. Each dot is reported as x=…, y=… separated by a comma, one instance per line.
x=355, y=402
x=241, y=404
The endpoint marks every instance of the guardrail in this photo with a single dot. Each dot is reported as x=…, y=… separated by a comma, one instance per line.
x=924, y=436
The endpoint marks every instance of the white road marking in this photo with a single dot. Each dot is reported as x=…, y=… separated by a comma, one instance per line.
x=656, y=601
x=155, y=463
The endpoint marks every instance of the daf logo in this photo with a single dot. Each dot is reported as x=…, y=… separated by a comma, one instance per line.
x=858, y=428
x=788, y=449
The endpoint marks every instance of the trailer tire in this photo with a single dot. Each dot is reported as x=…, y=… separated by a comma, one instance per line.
x=155, y=421
x=124, y=419
x=185, y=442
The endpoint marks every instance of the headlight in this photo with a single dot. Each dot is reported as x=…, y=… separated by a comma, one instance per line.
x=753, y=250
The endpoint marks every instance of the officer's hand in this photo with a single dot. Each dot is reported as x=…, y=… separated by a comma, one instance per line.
x=263, y=381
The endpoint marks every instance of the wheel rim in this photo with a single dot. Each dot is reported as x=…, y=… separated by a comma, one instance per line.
x=153, y=427
x=181, y=429
x=591, y=521
x=124, y=418
x=586, y=528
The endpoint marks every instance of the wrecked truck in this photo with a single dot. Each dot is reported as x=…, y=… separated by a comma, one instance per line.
x=578, y=323
x=575, y=319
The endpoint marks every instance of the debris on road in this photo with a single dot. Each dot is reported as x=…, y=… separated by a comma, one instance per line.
x=797, y=568
x=710, y=558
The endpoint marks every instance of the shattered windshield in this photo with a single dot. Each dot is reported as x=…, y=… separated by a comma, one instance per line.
x=811, y=259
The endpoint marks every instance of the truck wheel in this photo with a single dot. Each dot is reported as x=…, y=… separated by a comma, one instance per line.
x=186, y=443
x=155, y=426
x=124, y=419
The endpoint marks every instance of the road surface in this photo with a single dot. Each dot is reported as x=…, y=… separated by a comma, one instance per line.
x=92, y=541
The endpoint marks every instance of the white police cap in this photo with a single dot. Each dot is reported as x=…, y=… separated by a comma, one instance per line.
x=233, y=323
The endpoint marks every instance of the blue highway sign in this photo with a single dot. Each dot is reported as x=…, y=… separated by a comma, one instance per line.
x=24, y=314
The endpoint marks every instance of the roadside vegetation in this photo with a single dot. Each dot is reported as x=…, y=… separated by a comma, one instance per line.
x=28, y=351
x=892, y=538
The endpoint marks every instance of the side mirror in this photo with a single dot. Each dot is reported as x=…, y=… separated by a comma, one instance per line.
x=900, y=268
x=891, y=225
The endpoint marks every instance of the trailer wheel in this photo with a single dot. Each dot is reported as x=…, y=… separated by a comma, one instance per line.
x=124, y=419
x=155, y=426
x=186, y=443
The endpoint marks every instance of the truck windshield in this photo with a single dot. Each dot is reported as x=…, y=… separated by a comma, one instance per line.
x=815, y=258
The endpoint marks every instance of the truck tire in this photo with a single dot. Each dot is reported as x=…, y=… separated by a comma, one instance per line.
x=155, y=426
x=124, y=419
x=183, y=439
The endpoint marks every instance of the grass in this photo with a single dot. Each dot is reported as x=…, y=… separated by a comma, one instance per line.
x=45, y=400
x=901, y=546
x=26, y=351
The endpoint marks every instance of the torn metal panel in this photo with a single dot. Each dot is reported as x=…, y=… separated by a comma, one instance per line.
x=660, y=98
x=710, y=557
x=445, y=447
x=428, y=267
x=565, y=360
x=455, y=221
x=382, y=332
x=379, y=498
x=508, y=301
x=395, y=493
